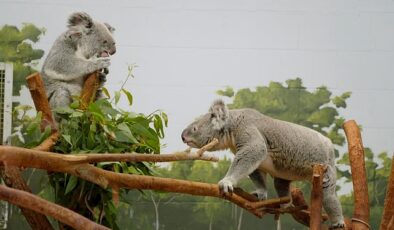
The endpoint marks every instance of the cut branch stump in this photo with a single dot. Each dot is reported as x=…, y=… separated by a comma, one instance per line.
x=360, y=219
x=388, y=211
x=317, y=196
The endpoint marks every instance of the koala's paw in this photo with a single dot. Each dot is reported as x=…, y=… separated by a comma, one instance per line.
x=103, y=62
x=102, y=78
x=226, y=185
x=261, y=194
x=338, y=226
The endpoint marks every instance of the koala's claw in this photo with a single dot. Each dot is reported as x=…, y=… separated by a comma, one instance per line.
x=337, y=226
x=261, y=195
x=102, y=77
x=226, y=186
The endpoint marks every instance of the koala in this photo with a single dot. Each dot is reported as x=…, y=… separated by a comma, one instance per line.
x=84, y=48
x=263, y=145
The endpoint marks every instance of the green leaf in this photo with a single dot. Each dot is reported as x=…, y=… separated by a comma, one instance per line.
x=105, y=91
x=72, y=182
x=165, y=118
x=117, y=97
x=64, y=110
x=77, y=114
x=75, y=104
x=129, y=96
x=67, y=138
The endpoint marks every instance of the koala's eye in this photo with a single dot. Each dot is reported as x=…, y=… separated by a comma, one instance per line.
x=194, y=128
x=105, y=41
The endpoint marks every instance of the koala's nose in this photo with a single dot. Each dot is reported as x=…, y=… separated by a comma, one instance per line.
x=113, y=50
x=183, y=136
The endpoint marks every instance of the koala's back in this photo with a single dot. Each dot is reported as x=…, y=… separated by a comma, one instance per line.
x=292, y=148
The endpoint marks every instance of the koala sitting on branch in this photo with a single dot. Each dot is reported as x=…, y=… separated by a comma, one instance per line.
x=83, y=49
x=264, y=145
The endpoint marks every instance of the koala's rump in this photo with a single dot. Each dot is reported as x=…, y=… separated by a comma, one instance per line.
x=293, y=150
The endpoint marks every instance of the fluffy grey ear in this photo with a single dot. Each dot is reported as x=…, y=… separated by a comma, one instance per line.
x=109, y=27
x=80, y=19
x=219, y=114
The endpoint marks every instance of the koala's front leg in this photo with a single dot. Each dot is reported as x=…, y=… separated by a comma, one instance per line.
x=259, y=180
x=246, y=160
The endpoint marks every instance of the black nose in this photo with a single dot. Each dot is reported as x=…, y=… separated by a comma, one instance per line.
x=183, y=136
x=113, y=51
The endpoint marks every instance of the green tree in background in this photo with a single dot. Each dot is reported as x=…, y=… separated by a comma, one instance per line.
x=293, y=102
x=16, y=47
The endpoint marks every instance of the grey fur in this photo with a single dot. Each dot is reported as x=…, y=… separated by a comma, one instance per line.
x=82, y=49
x=263, y=145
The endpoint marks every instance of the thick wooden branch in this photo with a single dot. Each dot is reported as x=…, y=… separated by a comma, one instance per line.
x=64, y=215
x=359, y=176
x=13, y=178
x=37, y=91
x=55, y=162
x=388, y=211
x=317, y=196
x=303, y=216
x=12, y=175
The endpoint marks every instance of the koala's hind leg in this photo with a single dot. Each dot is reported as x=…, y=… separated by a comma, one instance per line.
x=259, y=180
x=282, y=188
x=59, y=98
x=331, y=204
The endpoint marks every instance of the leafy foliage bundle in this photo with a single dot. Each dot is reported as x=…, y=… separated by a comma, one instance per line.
x=101, y=128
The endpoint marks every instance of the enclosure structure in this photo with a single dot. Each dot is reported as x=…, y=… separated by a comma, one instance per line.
x=81, y=166
x=6, y=80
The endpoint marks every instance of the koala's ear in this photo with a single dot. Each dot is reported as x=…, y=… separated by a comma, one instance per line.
x=109, y=27
x=219, y=114
x=80, y=19
x=73, y=34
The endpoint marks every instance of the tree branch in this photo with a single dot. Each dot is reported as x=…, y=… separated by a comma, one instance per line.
x=39, y=96
x=388, y=211
x=359, y=175
x=89, y=89
x=317, y=196
x=12, y=175
x=56, y=162
x=37, y=204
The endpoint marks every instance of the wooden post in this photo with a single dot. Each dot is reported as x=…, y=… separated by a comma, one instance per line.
x=360, y=219
x=317, y=197
x=40, y=99
x=388, y=211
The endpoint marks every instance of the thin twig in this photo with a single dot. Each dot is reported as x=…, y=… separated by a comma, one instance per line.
x=208, y=146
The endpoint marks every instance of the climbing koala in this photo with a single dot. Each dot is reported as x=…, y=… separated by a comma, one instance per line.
x=84, y=48
x=264, y=145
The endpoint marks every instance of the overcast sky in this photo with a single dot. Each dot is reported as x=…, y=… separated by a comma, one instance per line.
x=188, y=49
